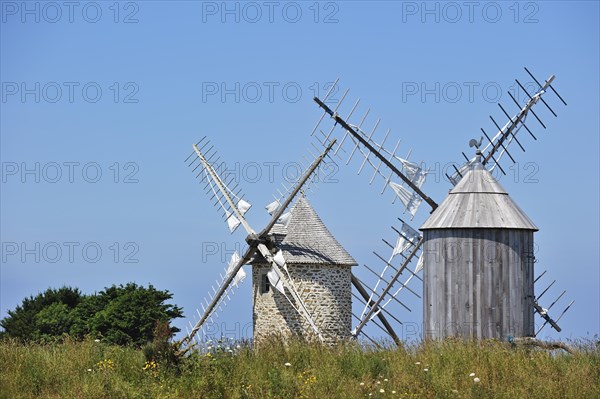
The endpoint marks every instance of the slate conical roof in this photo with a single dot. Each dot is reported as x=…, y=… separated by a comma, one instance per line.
x=306, y=240
x=478, y=201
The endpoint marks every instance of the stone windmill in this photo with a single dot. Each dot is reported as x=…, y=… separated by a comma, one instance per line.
x=301, y=275
x=479, y=294
x=321, y=270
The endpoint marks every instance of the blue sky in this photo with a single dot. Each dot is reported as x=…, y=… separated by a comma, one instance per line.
x=101, y=103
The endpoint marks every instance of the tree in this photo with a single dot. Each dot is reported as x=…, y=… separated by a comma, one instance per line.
x=46, y=315
x=128, y=314
x=118, y=314
x=54, y=320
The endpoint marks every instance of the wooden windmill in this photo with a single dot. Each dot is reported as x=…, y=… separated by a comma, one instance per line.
x=301, y=275
x=478, y=252
x=454, y=295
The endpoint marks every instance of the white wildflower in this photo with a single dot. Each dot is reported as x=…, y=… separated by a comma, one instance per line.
x=472, y=375
x=476, y=379
x=381, y=390
x=362, y=384
x=287, y=364
x=425, y=369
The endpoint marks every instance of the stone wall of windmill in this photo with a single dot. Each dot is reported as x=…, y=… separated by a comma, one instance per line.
x=320, y=269
x=326, y=292
x=478, y=263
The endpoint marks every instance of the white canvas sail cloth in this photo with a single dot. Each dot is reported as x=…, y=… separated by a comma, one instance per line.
x=280, y=260
x=419, y=265
x=411, y=200
x=285, y=218
x=243, y=206
x=232, y=221
x=414, y=172
x=275, y=281
x=407, y=238
x=241, y=274
x=272, y=207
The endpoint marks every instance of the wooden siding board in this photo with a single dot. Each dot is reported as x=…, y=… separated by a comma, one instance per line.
x=469, y=295
x=515, y=282
x=446, y=299
x=457, y=307
x=528, y=289
x=439, y=299
x=507, y=288
x=481, y=291
x=488, y=294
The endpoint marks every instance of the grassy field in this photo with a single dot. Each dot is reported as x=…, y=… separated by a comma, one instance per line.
x=454, y=369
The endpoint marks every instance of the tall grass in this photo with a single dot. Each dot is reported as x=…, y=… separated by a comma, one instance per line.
x=450, y=369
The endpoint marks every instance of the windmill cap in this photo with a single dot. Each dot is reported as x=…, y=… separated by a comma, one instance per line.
x=306, y=240
x=478, y=201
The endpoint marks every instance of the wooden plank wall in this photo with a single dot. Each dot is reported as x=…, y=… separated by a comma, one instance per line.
x=478, y=283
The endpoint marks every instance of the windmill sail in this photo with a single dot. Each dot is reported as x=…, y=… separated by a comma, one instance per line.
x=498, y=145
x=383, y=162
x=407, y=237
x=404, y=177
x=219, y=294
x=410, y=200
x=544, y=313
x=241, y=274
x=387, y=294
x=389, y=283
x=229, y=200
